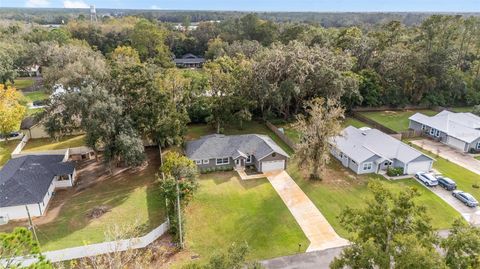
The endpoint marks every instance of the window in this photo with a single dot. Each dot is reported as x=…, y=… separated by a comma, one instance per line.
x=354, y=162
x=424, y=127
x=274, y=154
x=432, y=131
x=205, y=161
x=437, y=134
x=198, y=161
x=249, y=158
x=221, y=161
x=367, y=166
x=478, y=145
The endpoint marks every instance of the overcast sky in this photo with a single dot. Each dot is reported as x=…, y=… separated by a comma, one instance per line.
x=262, y=5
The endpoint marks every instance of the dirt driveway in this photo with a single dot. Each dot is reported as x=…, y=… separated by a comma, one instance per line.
x=449, y=153
x=471, y=215
x=313, y=223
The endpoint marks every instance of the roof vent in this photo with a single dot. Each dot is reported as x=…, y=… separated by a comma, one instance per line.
x=364, y=133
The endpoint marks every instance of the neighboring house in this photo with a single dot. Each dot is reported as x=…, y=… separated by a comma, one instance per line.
x=458, y=130
x=237, y=151
x=29, y=182
x=189, y=61
x=368, y=150
x=35, y=129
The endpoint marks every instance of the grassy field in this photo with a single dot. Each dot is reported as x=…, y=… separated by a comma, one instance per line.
x=395, y=120
x=341, y=188
x=42, y=144
x=463, y=177
x=6, y=149
x=253, y=127
x=35, y=96
x=22, y=83
x=227, y=210
x=132, y=197
x=462, y=109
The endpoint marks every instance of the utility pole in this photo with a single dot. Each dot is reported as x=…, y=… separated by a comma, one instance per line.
x=179, y=216
x=31, y=224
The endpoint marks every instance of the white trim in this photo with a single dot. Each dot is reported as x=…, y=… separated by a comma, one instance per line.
x=206, y=161
x=222, y=161
x=270, y=154
x=369, y=166
x=198, y=161
x=478, y=145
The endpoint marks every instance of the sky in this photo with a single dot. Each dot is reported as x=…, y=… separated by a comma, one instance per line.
x=262, y=5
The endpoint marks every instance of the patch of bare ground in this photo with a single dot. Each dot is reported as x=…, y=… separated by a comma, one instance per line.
x=335, y=174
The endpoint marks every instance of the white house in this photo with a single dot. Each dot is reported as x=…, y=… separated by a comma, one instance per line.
x=458, y=130
x=27, y=184
x=368, y=150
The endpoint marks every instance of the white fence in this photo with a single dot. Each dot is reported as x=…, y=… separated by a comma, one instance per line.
x=20, y=145
x=100, y=248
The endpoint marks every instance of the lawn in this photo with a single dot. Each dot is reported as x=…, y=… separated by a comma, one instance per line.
x=195, y=131
x=35, y=96
x=22, y=83
x=133, y=198
x=341, y=188
x=227, y=210
x=42, y=144
x=6, y=150
x=463, y=177
x=462, y=109
x=395, y=120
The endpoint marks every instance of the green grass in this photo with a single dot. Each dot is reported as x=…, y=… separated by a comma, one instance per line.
x=341, y=189
x=462, y=109
x=42, y=144
x=477, y=157
x=35, y=96
x=227, y=210
x=133, y=198
x=463, y=177
x=349, y=121
x=22, y=83
x=395, y=120
x=6, y=149
x=195, y=131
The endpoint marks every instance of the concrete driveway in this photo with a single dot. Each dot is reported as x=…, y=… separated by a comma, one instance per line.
x=313, y=223
x=472, y=215
x=449, y=153
x=310, y=260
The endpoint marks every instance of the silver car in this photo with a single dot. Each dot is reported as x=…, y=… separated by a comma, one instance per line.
x=427, y=179
x=466, y=198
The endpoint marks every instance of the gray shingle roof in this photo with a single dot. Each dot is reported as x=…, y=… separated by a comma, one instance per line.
x=463, y=126
x=28, y=123
x=189, y=59
x=222, y=146
x=25, y=180
x=361, y=145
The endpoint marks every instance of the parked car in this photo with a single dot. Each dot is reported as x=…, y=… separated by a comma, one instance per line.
x=446, y=183
x=11, y=135
x=427, y=179
x=466, y=198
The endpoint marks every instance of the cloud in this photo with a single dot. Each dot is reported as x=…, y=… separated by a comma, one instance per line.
x=75, y=4
x=37, y=3
x=154, y=7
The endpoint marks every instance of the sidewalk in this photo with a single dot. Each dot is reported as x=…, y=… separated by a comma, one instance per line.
x=317, y=229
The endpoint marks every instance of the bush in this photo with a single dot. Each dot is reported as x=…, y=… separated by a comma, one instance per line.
x=394, y=171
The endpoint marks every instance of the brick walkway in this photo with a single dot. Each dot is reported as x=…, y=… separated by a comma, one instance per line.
x=313, y=223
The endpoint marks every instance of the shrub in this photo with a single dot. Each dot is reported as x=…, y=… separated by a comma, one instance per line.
x=394, y=171
x=476, y=186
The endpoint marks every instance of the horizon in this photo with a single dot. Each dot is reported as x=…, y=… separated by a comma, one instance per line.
x=339, y=6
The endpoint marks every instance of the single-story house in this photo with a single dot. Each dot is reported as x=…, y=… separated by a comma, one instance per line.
x=27, y=184
x=458, y=130
x=189, y=61
x=32, y=127
x=368, y=150
x=237, y=151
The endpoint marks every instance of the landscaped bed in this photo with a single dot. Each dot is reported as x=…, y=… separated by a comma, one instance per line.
x=130, y=198
x=42, y=144
x=227, y=210
x=341, y=188
x=395, y=120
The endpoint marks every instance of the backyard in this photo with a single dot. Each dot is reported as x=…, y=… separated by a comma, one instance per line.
x=22, y=83
x=6, y=149
x=130, y=198
x=227, y=210
x=341, y=188
x=395, y=120
x=42, y=144
x=35, y=96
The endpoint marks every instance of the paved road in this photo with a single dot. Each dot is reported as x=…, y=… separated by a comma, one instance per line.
x=449, y=153
x=472, y=215
x=313, y=223
x=310, y=260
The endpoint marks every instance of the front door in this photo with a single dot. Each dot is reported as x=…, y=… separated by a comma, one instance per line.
x=238, y=163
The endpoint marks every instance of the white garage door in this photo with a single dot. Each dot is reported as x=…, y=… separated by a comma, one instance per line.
x=273, y=165
x=458, y=144
x=415, y=167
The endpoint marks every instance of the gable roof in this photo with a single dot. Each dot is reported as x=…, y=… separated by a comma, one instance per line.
x=463, y=126
x=28, y=123
x=189, y=59
x=25, y=180
x=362, y=144
x=222, y=146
